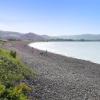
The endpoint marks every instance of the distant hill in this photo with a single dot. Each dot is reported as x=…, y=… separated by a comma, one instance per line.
x=32, y=36
x=10, y=35
x=20, y=36
x=47, y=37
x=80, y=37
x=35, y=37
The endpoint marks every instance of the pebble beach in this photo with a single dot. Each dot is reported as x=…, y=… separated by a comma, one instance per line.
x=59, y=77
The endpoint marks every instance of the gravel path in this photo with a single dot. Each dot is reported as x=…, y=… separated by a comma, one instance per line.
x=59, y=77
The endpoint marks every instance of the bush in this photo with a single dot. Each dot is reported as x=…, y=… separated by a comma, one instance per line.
x=12, y=72
x=14, y=93
x=13, y=54
x=2, y=89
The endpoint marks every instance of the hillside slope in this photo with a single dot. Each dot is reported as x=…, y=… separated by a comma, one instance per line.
x=8, y=35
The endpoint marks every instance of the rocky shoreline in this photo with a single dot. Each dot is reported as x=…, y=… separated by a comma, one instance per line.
x=60, y=77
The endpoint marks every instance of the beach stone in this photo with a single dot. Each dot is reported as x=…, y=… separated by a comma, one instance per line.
x=60, y=77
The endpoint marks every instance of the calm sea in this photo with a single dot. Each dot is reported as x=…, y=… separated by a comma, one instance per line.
x=83, y=50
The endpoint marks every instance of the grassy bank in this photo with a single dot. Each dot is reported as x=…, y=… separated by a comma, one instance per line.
x=12, y=72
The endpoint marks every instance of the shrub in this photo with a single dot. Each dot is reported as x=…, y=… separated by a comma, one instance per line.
x=14, y=93
x=13, y=54
x=12, y=72
x=2, y=89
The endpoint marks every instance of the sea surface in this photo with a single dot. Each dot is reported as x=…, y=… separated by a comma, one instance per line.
x=82, y=50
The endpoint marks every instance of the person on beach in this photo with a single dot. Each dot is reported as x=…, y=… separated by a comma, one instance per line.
x=46, y=52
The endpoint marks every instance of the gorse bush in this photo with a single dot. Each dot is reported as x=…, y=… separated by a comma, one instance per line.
x=14, y=93
x=12, y=71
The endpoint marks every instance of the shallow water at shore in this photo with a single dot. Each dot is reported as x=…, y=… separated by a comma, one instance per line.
x=81, y=50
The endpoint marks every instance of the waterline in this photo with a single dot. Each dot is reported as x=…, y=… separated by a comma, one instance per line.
x=81, y=50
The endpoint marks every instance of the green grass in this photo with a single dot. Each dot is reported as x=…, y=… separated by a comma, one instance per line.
x=12, y=71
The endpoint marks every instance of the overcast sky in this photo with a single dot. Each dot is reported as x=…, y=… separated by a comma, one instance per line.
x=50, y=17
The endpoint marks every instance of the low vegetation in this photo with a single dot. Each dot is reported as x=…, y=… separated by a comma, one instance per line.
x=13, y=54
x=12, y=72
